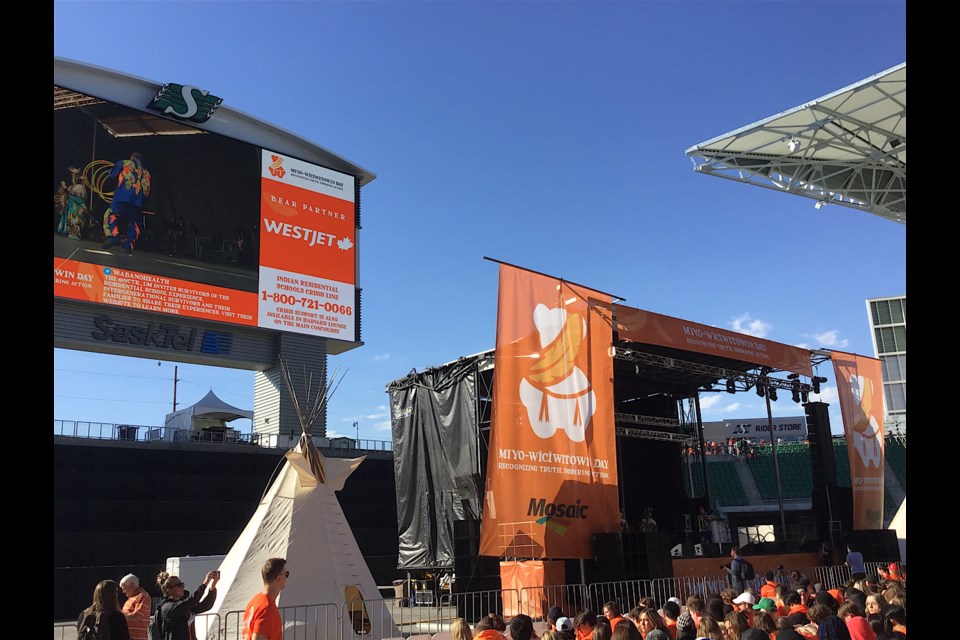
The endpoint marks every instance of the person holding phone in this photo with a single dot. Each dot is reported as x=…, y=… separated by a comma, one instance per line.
x=178, y=608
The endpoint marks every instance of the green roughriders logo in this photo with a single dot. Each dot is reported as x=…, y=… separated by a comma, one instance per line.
x=185, y=102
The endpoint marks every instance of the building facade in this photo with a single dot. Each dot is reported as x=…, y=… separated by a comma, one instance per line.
x=888, y=329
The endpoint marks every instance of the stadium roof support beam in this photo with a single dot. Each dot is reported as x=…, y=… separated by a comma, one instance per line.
x=847, y=148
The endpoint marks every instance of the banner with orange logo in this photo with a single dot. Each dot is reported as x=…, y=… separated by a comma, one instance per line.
x=860, y=386
x=552, y=466
x=307, y=248
x=647, y=327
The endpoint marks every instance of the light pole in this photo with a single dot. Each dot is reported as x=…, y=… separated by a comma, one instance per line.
x=356, y=425
x=174, y=385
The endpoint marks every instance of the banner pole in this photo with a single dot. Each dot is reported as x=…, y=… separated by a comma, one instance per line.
x=776, y=465
x=547, y=275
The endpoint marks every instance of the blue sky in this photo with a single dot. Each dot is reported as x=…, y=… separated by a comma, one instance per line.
x=550, y=135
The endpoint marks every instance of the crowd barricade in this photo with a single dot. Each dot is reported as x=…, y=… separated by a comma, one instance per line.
x=305, y=622
x=830, y=577
x=662, y=589
x=626, y=592
x=369, y=619
x=536, y=601
x=473, y=606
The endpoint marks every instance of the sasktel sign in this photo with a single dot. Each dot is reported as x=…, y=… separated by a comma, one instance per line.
x=161, y=335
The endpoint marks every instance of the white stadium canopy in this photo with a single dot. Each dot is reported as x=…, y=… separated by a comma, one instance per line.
x=847, y=148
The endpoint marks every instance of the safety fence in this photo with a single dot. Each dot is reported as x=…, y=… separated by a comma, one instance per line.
x=430, y=619
x=169, y=435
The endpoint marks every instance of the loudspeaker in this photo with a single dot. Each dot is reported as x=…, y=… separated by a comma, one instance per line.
x=647, y=555
x=822, y=461
x=879, y=545
x=608, y=553
x=474, y=572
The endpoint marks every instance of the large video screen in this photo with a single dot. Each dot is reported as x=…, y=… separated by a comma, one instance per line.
x=153, y=214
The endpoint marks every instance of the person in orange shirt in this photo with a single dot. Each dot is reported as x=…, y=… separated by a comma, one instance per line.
x=137, y=607
x=764, y=621
x=892, y=572
x=796, y=609
x=895, y=619
x=782, y=592
x=769, y=588
x=671, y=611
x=261, y=617
x=492, y=626
x=584, y=624
x=611, y=611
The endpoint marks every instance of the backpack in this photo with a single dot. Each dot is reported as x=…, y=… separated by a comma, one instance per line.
x=88, y=630
x=746, y=570
x=155, y=627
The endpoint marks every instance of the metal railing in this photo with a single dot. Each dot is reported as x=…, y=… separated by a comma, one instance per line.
x=151, y=433
x=536, y=601
x=411, y=617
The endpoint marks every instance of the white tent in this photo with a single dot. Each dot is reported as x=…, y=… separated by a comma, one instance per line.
x=299, y=518
x=210, y=411
x=899, y=523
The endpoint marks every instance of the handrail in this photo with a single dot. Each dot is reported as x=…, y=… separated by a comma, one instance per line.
x=150, y=433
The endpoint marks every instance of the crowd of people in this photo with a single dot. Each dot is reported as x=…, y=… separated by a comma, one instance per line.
x=785, y=607
x=109, y=618
x=748, y=448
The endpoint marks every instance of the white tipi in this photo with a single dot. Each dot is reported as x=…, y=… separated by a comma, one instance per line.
x=300, y=519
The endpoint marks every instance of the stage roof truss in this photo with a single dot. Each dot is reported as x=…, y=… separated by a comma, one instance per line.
x=847, y=148
x=711, y=374
x=647, y=434
x=653, y=421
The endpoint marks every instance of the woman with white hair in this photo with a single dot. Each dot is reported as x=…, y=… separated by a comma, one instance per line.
x=136, y=609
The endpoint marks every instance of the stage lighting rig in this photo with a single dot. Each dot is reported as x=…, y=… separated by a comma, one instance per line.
x=815, y=383
x=772, y=392
x=731, y=385
x=795, y=390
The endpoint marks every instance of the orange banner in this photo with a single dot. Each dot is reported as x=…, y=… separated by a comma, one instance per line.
x=552, y=467
x=526, y=587
x=306, y=232
x=652, y=328
x=136, y=290
x=860, y=387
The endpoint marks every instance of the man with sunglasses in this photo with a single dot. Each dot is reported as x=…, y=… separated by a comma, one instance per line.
x=261, y=618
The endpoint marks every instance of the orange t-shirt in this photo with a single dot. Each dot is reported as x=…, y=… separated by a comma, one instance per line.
x=262, y=616
x=769, y=590
x=671, y=627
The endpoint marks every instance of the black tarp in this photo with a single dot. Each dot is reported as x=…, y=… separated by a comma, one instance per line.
x=434, y=420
